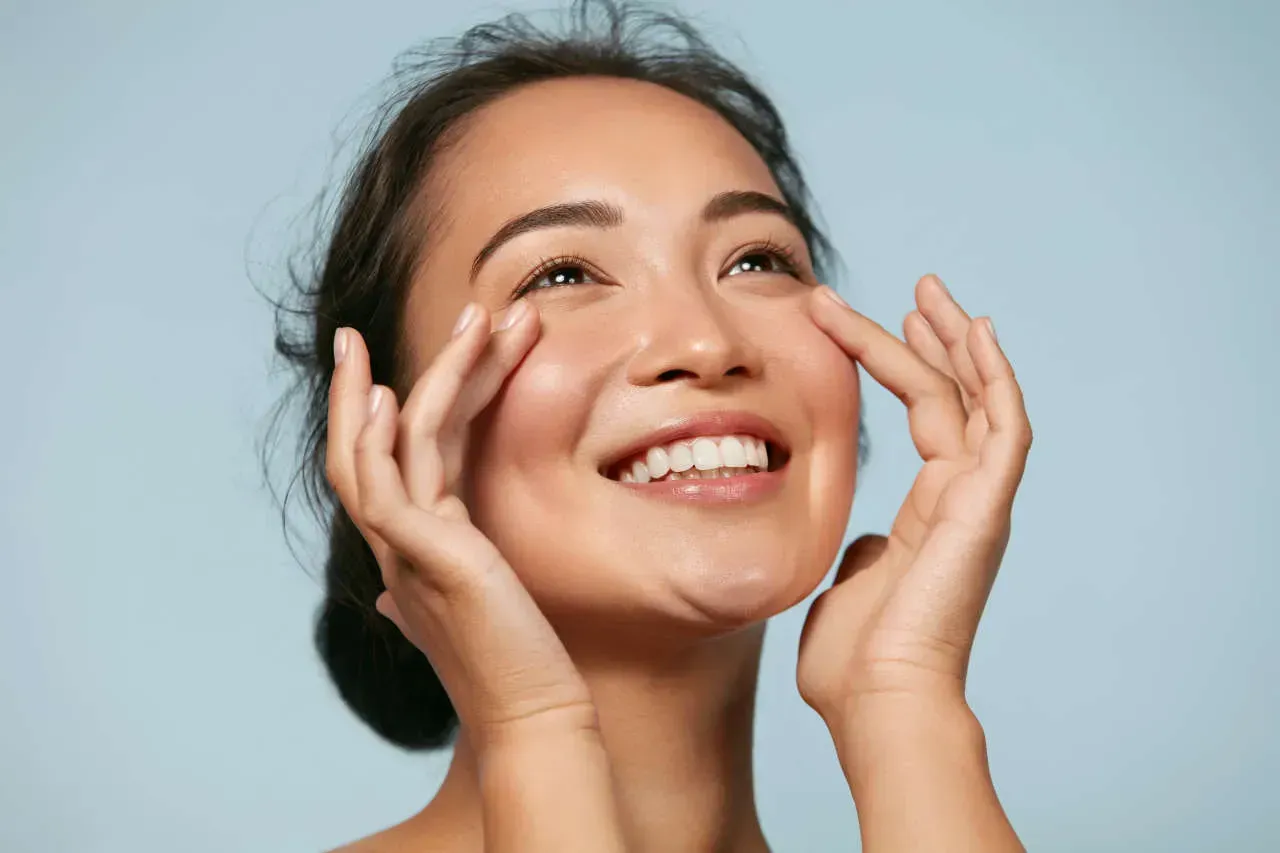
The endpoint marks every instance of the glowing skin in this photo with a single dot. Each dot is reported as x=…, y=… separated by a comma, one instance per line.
x=601, y=638
x=658, y=331
x=661, y=603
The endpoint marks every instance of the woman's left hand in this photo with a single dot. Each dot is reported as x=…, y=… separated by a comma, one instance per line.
x=900, y=618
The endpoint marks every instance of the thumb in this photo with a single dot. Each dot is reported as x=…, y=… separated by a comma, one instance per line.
x=386, y=605
x=864, y=551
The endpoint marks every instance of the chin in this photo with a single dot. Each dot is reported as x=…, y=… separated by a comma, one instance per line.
x=727, y=594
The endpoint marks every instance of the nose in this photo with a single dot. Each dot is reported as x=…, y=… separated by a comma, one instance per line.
x=692, y=336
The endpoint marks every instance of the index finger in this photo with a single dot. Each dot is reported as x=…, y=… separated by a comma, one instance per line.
x=921, y=387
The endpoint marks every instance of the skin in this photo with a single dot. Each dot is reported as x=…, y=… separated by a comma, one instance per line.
x=605, y=675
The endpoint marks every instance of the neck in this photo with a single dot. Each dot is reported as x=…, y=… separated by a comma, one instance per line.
x=678, y=730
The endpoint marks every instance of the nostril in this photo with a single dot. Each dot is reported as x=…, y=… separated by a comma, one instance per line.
x=681, y=373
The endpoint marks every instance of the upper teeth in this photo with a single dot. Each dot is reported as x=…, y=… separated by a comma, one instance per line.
x=708, y=454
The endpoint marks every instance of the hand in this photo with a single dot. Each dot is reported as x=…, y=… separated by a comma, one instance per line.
x=447, y=588
x=901, y=616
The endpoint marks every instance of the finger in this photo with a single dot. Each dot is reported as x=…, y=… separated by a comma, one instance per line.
x=348, y=405
x=951, y=324
x=507, y=347
x=431, y=400
x=425, y=456
x=1009, y=435
x=385, y=505
x=921, y=338
x=934, y=406
x=862, y=553
x=386, y=605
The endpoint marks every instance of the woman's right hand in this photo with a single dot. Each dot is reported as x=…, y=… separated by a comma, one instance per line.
x=448, y=589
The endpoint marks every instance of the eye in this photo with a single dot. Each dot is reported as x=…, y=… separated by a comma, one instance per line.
x=766, y=258
x=556, y=272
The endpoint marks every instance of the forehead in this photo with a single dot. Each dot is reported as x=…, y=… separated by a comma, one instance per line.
x=640, y=145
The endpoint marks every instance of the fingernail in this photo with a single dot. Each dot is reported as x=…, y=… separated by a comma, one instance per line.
x=941, y=285
x=339, y=346
x=514, y=315
x=991, y=330
x=375, y=399
x=464, y=319
x=831, y=294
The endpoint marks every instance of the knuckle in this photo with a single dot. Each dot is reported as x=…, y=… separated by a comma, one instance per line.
x=332, y=471
x=404, y=423
x=363, y=444
x=948, y=389
x=940, y=382
x=375, y=511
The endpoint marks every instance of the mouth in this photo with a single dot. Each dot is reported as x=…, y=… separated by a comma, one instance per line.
x=714, y=446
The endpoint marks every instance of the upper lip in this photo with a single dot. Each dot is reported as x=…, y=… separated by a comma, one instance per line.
x=704, y=423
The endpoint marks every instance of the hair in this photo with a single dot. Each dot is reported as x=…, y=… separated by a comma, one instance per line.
x=358, y=271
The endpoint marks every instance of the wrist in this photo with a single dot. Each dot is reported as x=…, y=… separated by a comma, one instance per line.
x=569, y=725
x=546, y=785
x=892, y=728
x=920, y=779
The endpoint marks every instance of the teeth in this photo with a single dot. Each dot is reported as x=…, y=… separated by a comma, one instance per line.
x=656, y=460
x=703, y=458
x=706, y=454
x=681, y=458
x=733, y=454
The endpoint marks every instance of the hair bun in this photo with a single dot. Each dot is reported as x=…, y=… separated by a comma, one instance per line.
x=380, y=675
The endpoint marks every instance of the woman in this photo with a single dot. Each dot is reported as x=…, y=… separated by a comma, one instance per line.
x=576, y=507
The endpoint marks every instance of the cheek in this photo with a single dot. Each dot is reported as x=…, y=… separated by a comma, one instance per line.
x=817, y=375
x=519, y=444
x=829, y=390
x=828, y=379
x=538, y=416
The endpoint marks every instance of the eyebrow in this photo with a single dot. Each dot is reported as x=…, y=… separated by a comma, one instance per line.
x=601, y=214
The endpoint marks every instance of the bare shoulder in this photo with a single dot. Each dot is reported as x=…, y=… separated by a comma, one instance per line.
x=379, y=842
x=420, y=832
x=392, y=840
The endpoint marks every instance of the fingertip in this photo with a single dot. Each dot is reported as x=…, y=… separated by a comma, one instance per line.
x=380, y=405
x=984, y=352
x=828, y=293
x=339, y=346
x=915, y=317
x=513, y=316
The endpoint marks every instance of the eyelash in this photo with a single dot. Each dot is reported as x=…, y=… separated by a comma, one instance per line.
x=784, y=255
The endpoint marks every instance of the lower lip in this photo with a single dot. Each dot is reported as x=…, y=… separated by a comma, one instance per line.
x=743, y=488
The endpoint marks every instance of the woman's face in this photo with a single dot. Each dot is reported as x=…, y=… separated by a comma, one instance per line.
x=671, y=310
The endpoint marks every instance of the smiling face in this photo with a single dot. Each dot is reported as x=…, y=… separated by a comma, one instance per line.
x=668, y=309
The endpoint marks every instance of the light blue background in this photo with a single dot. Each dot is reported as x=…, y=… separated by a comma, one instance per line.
x=1102, y=178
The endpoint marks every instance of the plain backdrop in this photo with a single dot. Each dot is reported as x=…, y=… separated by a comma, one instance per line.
x=1100, y=177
